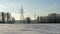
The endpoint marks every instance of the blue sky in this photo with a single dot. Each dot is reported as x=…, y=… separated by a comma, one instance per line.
x=40, y=7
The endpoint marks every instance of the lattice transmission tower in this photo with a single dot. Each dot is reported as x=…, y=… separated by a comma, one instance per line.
x=22, y=15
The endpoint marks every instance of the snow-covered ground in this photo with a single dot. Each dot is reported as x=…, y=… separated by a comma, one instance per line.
x=29, y=28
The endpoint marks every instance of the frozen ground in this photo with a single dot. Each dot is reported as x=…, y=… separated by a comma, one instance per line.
x=29, y=28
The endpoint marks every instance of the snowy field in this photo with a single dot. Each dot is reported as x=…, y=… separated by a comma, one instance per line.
x=29, y=28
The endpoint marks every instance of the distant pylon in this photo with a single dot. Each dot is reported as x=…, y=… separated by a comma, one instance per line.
x=22, y=14
x=35, y=16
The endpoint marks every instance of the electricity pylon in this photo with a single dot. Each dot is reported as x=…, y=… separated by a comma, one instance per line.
x=22, y=15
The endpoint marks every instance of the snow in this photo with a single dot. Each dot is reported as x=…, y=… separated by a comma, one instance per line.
x=29, y=28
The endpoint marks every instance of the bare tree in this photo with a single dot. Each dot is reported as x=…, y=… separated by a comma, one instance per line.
x=3, y=17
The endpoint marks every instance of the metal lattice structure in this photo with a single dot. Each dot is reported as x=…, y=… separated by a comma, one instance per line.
x=22, y=15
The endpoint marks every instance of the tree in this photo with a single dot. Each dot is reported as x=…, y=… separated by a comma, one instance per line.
x=3, y=17
x=52, y=17
x=13, y=19
x=8, y=17
x=28, y=20
x=38, y=19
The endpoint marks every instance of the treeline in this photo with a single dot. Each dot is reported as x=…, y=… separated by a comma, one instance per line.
x=50, y=18
x=6, y=18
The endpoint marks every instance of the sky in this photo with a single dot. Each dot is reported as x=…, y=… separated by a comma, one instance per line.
x=30, y=7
